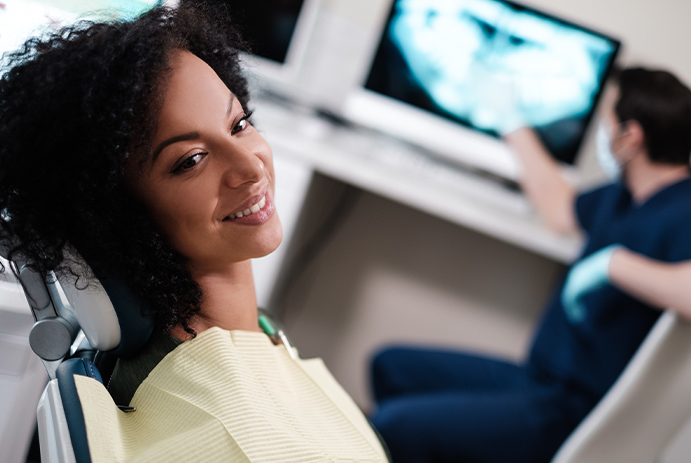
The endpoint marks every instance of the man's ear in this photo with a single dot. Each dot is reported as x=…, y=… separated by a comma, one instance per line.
x=634, y=134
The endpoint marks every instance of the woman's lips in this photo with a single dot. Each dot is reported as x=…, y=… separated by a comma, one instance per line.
x=258, y=213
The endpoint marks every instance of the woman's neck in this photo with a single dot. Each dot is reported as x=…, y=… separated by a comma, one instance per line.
x=229, y=301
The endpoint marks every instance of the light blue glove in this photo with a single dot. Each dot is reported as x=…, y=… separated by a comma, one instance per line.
x=585, y=276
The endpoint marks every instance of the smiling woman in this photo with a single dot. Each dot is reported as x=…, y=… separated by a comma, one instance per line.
x=79, y=110
x=130, y=143
x=209, y=173
x=211, y=165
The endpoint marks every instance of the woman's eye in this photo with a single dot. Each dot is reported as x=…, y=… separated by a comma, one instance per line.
x=189, y=162
x=241, y=125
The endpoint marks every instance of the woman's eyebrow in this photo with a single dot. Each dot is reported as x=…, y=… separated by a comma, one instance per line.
x=188, y=136
x=171, y=140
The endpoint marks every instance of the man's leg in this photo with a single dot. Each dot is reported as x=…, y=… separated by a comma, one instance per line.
x=509, y=426
x=400, y=371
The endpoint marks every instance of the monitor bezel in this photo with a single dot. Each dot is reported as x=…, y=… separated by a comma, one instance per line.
x=283, y=77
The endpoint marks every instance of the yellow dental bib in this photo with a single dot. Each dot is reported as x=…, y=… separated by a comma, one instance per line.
x=230, y=396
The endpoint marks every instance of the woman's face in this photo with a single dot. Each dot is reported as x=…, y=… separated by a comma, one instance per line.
x=209, y=183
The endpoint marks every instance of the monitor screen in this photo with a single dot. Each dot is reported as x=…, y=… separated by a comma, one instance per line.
x=277, y=33
x=267, y=25
x=486, y=63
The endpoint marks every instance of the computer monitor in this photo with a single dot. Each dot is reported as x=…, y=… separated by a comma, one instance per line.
x=450, y=75
x=21, y=19
x=277, y=32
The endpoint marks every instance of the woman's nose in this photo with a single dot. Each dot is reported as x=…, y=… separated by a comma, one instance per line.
x=242, y=165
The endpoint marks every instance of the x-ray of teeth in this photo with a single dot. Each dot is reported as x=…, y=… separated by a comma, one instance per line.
x=488, y=64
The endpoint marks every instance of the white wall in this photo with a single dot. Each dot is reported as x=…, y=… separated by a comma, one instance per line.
x=392, y=274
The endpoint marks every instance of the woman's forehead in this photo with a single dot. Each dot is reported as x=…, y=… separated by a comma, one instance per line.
x=192, y=79
x=194, y=94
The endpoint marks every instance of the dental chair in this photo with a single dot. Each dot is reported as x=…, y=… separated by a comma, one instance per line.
x=641, y=418
x=77, y=332
x=84, y=332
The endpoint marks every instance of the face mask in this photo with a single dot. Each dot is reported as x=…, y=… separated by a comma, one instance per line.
x=605, y=157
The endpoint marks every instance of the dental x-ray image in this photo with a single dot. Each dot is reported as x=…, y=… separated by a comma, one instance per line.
x=494, y=65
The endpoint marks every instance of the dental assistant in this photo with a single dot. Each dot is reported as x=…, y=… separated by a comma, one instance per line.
x=455, y=406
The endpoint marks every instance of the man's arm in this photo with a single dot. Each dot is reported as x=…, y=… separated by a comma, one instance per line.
x=657, y=283
x=541, y=180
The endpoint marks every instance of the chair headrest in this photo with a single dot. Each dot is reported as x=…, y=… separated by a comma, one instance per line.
x=108, y=311
x=110, y=314
x=135, y=328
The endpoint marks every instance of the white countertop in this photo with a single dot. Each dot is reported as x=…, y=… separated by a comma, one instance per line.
x=399, y=172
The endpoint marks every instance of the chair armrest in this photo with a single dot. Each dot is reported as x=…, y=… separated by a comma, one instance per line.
x=646, y=405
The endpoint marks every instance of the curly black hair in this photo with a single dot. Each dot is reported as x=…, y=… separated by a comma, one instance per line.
x=76, y=107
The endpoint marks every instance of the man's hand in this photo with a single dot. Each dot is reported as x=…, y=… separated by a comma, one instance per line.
x=586, y=276
x=542, y=181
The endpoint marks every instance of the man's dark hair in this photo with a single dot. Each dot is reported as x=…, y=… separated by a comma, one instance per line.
x=662, y=105
x=76, y=108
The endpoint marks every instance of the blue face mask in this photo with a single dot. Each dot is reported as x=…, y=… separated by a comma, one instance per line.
x=605, y=157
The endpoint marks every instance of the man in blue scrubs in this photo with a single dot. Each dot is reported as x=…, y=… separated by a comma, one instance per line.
x=435, y=406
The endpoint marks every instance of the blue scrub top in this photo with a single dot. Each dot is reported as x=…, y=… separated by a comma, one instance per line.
x=591, y=355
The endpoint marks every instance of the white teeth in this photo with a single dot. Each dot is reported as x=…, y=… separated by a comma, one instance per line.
x=249, y=211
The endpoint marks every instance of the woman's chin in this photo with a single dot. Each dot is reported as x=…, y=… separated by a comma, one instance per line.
x=269, y=240
x=273, y=241
x=229, y=252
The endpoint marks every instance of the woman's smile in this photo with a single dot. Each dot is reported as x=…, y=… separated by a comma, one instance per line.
x=253, y=212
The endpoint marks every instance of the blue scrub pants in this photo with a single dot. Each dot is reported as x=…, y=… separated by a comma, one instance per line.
x=442, y=406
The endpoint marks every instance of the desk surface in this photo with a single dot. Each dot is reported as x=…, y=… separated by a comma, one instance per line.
x=400, y=172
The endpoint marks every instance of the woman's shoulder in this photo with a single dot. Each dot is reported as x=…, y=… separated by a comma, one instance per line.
x=130, y=372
